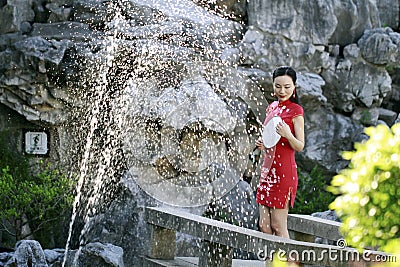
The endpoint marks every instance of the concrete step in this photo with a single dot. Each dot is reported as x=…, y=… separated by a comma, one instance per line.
x=193, y=261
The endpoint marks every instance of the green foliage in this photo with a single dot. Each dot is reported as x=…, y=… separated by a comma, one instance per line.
x=312, y=195
x=366, y=117
x=31, y=192
x=369, y=201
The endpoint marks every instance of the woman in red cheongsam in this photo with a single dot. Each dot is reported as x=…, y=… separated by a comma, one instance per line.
x=278, y=181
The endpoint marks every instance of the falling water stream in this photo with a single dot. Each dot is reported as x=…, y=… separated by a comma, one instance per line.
x=98, y=100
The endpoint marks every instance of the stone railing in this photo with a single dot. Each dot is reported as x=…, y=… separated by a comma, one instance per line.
x=219, y=239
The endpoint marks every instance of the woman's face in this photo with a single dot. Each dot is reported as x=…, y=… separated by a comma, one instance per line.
x=283, y=87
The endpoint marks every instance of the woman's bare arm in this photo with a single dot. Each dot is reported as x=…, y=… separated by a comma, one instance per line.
x=296, y=141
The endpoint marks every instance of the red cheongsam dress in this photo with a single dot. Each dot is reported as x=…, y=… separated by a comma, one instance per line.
x=278, y=181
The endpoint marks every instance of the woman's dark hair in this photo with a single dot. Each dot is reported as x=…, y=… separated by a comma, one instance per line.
x=289, y=71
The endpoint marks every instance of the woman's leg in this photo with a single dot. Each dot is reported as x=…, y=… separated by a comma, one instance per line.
x=279, y=221
x=265, y=219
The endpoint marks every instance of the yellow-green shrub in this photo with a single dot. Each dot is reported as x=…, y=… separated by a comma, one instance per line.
x=369, y=201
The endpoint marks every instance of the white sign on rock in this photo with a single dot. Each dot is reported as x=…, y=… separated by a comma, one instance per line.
x=36, y=143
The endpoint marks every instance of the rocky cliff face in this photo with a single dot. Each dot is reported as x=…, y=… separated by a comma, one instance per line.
x=172, y=94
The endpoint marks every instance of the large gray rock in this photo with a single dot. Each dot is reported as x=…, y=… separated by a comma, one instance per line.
x=388, y=116
x=280, y=18
x=93, y=12
x=28, y=253
x=58, y=12
x=366, y=116
x=380, y=46
x=320, y=22
x=327, y=135
x=70, y=30
x=53, y=256
x=232, y=9
x=351, y=80
x=389, y=13
x=353, y=17
x=98, y=254
x=181, y=23
x=51, y=51
x=24, y=78
x=309, y=88
x=392, y=100
x=184, y=166
x=14, y=14
x=266, y=51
